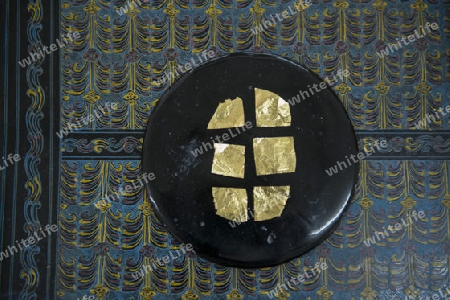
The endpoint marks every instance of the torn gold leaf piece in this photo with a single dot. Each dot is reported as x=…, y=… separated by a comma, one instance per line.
x=229, y=160
x=228, y=114
x=274, y=155
x=271, y=109
x=269, y=201
x=230, y=203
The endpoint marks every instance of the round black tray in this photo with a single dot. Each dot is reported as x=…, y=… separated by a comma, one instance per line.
x=181, y=192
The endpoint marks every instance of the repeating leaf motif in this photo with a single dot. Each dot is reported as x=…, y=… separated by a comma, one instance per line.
x=121, y=59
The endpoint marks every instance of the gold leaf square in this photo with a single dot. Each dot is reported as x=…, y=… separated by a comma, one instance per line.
x=274, y=155
x=228, y=114
x=229, y=160
x=230, y=203
x=271, y=109
x=269, y=201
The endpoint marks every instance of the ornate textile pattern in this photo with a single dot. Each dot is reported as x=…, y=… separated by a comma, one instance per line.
x=128, y=54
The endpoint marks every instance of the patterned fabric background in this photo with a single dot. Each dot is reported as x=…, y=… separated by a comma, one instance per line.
x=111, y=71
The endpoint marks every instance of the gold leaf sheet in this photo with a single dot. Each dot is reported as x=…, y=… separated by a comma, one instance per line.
x=228, y=114
x=269, y=201
x=271, y=109
x=230, y=203
x=274, y=155
x=229, y=160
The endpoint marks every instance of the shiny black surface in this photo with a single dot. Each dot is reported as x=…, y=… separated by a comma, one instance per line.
x=181, y=192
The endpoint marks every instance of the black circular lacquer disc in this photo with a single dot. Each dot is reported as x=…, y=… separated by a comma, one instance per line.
x=181, y=192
